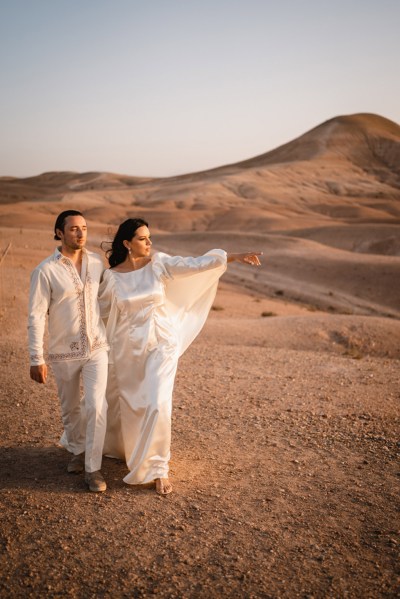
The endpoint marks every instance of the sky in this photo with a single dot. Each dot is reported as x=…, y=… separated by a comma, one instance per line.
x=165, y=87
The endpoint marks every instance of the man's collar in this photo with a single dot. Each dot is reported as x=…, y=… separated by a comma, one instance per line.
x=58, y=255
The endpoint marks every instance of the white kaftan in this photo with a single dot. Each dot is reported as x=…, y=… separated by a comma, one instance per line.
x=153, y=313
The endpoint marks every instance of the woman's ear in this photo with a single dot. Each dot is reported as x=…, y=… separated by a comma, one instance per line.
x=126, y=244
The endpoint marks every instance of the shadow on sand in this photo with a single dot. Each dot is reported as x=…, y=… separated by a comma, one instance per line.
x=45, y=469
x=37, y=468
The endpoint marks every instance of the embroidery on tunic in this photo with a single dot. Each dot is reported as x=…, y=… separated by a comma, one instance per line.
x=83, y=292
x=37, y=358
x=82, y=353
x=98, y=343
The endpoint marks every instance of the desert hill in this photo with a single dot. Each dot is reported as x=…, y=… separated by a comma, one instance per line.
x=369, y=141
x=324, y=209
x=365, y=139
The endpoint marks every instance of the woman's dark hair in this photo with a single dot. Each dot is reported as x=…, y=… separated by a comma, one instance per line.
x=61, y=218
x=126, y=231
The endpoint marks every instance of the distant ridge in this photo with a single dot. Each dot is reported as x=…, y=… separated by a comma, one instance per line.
x=369, y=141
x=58, y=183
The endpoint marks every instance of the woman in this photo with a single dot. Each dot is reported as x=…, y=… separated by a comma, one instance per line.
x=155, y=306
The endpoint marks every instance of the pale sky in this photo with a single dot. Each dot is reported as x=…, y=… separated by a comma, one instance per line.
x=165, y=87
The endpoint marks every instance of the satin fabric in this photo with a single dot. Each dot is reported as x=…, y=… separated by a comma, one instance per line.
x=153, y=314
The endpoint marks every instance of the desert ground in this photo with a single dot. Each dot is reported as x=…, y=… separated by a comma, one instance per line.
x=286, y=407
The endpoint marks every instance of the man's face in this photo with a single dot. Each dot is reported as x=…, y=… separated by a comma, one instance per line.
x=75, y=233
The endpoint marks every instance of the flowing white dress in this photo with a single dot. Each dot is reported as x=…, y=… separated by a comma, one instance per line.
x=153, y=314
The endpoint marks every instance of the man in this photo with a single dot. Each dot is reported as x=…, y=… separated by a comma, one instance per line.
x=64, y=287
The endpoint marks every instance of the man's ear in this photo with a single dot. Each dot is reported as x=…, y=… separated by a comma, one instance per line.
x=59, y=233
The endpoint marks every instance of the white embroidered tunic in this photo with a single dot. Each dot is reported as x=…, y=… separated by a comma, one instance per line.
x=154, y=313
x=70, y=302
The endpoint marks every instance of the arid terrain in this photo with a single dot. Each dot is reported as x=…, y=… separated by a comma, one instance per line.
x=286, y=407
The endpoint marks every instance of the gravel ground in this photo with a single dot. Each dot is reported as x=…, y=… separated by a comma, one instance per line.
x=284, y=464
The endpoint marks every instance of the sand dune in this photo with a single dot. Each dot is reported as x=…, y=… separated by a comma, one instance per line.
x=324, y=209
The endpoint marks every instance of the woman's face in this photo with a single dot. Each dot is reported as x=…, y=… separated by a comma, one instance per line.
x=140, y=244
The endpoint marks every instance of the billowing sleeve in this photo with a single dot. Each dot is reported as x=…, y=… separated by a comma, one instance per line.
x=174, y=267
x=190, y=286
x=39, y=302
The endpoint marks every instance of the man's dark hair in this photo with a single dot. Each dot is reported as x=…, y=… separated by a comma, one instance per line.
x=61, y=218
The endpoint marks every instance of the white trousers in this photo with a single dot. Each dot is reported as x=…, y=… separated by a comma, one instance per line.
x=84, y=417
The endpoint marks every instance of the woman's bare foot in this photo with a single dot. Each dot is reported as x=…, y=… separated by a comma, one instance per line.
x=163, y=486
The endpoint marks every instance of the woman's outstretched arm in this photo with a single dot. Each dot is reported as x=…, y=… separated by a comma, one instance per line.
x=246, y=258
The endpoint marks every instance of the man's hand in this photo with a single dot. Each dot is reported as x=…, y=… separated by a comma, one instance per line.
x=39, y=373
